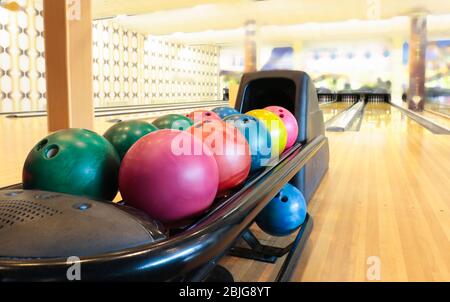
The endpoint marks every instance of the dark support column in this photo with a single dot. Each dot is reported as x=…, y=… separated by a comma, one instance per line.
x=417, y=49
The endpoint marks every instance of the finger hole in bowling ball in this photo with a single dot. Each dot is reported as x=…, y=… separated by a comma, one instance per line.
x=51, y=151
x=284, y=199
x=280, y=110
x=281, y=115
x=41, y=144
x=180, y=128
x=246, y=121
x=208, y=114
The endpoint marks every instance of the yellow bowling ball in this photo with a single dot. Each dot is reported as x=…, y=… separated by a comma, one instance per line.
x=275, y=125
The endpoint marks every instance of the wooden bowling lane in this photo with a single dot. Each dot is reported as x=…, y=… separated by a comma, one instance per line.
x=386, y=195
x=437, y=117
x=333, y=109
x=18, y=136
x=440, y=105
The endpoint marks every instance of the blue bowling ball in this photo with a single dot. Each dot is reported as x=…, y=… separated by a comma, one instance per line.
x=225, y=111
x=284, y=214
x=258, y=138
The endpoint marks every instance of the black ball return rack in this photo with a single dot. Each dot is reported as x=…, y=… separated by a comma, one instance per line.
x=193, y=252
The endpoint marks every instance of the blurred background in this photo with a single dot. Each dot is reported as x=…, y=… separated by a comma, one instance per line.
x=183, y=51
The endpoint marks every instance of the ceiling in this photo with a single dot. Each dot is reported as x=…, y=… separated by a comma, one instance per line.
x=198, y=21
x=438, y=28
x=108, y=8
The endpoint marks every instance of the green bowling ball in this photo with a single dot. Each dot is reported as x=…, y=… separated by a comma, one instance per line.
x=123, y=135
x=173, y=121
x=73, y=161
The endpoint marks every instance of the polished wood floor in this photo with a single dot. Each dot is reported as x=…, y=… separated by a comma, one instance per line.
x=386, y=194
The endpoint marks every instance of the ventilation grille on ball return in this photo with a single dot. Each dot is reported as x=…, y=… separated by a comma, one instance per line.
x=17, y=211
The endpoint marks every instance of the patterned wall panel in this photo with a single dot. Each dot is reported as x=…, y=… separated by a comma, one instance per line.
x=116, y=64
x=128, y=67
x=131, y=67
x=22, y=62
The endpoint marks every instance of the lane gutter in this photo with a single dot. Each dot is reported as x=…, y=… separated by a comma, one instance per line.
x=423, y=121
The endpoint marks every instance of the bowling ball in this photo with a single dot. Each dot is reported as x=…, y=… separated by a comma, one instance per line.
x=230, y=149
x=225, y=111
x=163, y=177
x=284, y=214
x=73, y=161
x=124, y=134
x=258, y=138
x=173, y=121
x=275, y=125
x=201, y=115
x=290, y=122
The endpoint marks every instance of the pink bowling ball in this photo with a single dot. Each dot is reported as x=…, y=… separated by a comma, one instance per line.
x=161, y=175
x=230, y=149
x=201, y=115
x=290, y=122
